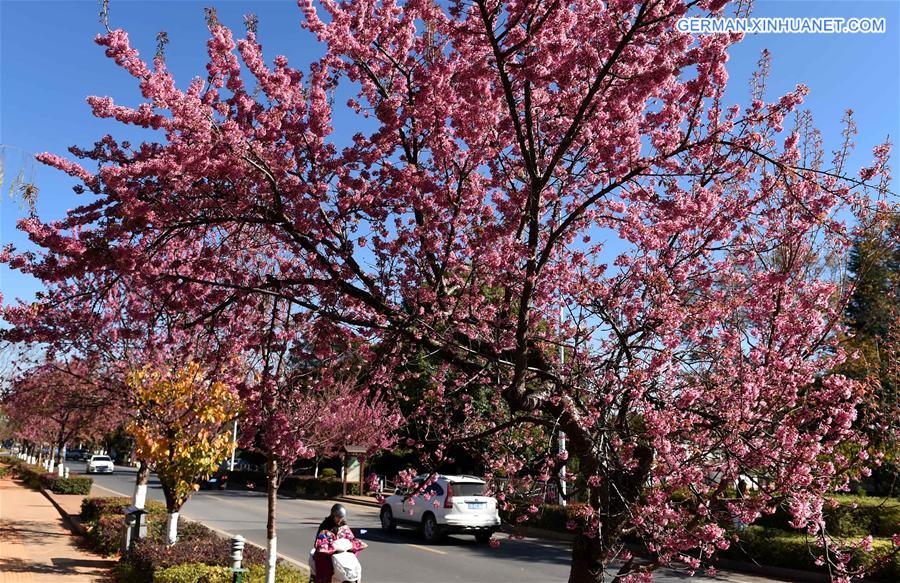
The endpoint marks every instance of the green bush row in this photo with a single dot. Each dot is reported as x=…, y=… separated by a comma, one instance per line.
x=779, y=548
x=36, y=477
x=200, y=573
x=853, y=516
x=548, y=516
x=317, y=487
x=71, y=485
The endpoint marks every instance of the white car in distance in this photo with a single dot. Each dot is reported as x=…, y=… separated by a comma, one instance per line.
x=100, y=464
x=449, y=505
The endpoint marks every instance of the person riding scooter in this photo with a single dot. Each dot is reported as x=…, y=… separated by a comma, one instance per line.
x=333, y=538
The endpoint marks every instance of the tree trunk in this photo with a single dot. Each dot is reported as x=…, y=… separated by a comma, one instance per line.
x=140, y=485
x=612, y=501
x=60, y=442
x=172, y=508
x=171, y=528
x=588, y=558
x=272, y=483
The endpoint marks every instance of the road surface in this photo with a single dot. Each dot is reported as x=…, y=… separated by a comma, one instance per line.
x=397, y=558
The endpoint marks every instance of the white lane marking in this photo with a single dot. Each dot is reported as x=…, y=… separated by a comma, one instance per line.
x=427, y=549
x=99, y=487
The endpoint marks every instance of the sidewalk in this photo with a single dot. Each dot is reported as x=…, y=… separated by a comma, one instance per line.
x=36, y=547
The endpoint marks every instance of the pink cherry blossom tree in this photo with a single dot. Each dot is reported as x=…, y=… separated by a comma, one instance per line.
x=56, y=402
x=300, y=401
x=527, y=159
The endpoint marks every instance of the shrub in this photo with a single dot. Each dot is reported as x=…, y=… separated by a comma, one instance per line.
x=105, y=534
x=29, y=474
x=283, y=574
x=152, y=553
x=202, y=573
x=193, y=573
x=853, y=516
x=71, y=485
x=307, y=486
x=92, y=508
x=780, y=548
x=329, y=473
x=548, y=516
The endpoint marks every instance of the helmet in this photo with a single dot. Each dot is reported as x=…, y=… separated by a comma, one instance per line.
x=338, y=511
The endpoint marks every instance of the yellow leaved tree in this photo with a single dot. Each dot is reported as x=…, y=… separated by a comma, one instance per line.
x=180, y=429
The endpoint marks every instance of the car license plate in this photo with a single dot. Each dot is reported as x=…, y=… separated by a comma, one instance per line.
x=475, y=505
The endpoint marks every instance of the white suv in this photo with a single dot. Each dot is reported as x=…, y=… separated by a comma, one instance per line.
x=100, y=464
x=451, y=504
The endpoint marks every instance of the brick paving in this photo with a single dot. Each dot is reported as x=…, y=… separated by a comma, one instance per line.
x=36, y=546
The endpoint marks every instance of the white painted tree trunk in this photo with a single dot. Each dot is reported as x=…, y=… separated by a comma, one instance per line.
x=171, y=528
x=140, y=495
x=271, y=559
x=51, y=467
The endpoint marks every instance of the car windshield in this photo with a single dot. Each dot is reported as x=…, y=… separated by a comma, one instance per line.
x=101, y=458
x=468, y=489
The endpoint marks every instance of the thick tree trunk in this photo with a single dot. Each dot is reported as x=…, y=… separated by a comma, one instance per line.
x=588, y=560
x=140, y=485
x=272, y=482
x=612, y=501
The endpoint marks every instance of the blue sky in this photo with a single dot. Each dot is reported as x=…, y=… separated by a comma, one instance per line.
x=49, y=64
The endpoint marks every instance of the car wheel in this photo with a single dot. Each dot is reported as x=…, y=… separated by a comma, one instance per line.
x=388, y=524
x=483, y=537
x=430, y=530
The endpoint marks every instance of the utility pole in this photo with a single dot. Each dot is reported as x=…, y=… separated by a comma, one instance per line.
x=233, y=446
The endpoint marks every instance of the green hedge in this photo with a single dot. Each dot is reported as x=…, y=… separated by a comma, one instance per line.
x=548, y=516
x=780, y=548
x=318, y=487
x=200, y=573
x=853, y=516
x=37, y=477
x=71, y=485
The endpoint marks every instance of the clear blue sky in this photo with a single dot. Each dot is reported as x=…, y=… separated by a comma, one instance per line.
x=49, y=64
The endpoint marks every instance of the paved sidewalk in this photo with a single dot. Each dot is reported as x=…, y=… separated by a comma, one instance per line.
x=35, y=545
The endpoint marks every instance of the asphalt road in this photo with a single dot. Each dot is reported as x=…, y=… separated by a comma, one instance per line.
x=397, y=558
